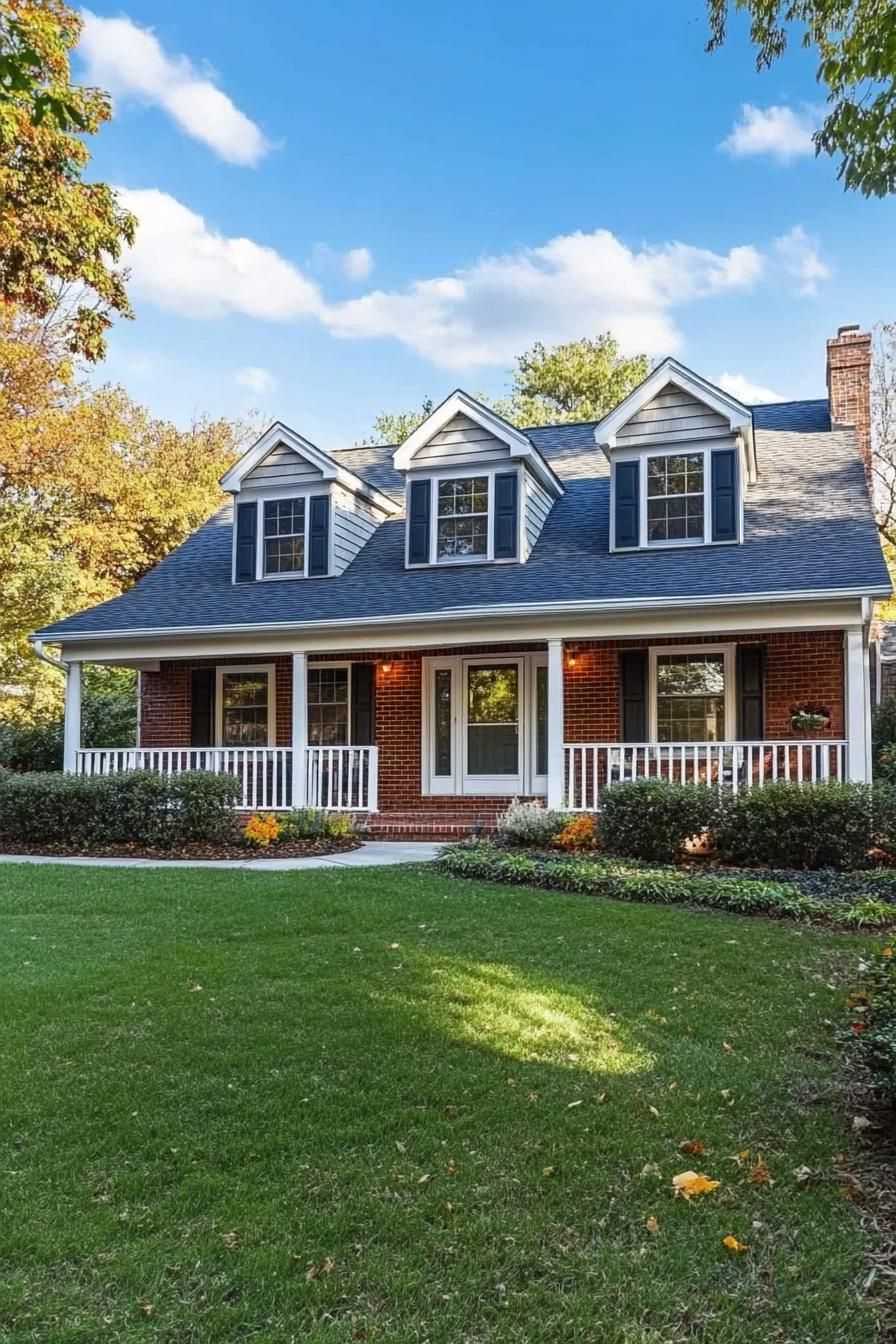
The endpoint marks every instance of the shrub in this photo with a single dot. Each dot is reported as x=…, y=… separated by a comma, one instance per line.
x=136, y=806
x=261, y=830
x=531, y=824
x=579, y=834
x=108, y=719
x=787, y=825
x=653, y=818
x=310, y=823
x=871, y=1036
x=883, y=729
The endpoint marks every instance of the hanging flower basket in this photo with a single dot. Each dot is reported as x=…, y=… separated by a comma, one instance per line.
x=809, y=717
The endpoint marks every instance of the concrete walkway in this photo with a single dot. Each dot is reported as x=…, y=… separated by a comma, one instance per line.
x=373, y=854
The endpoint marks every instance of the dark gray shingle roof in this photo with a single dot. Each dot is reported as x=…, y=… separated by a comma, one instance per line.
x=808, y=527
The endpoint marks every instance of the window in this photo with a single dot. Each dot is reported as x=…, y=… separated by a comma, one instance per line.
x=493, y=728
x=675, y=497
x=246, y=700
x=690, y=697
x=442, y=725
x=284, y=536
x=462, y=518
x=541, y=719
x=328, y=706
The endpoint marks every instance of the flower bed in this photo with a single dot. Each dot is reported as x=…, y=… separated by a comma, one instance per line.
x=848, y=900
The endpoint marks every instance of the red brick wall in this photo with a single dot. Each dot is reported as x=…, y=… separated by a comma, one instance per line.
x=849, y=385
x=799, y=666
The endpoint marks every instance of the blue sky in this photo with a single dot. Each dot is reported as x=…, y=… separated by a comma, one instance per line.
x=346, y=208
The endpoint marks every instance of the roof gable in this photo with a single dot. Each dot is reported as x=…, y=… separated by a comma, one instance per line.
x=275, y=444
x=715, y=410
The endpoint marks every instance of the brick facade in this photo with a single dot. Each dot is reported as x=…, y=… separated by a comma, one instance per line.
x=849, y=385
x=800, y=665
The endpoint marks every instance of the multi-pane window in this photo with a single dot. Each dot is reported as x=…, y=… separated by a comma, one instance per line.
x=690, y=697
x=244, y=709
x=675, y=497
x=442, y=722
x=328, y=706
x=284, y=536
x=462, y=517
x=493, y=719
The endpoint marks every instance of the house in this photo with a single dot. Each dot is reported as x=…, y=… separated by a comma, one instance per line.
x=421, y=633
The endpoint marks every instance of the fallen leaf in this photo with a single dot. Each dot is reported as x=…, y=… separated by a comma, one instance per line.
x=549, y=1171
x=728, y=1048
x=860, y=1122
x=759, y=1173
x=653, y=1111
x=195, y=987
x=393, y=947
x=601, y=1098
x=573, y=1104
x=693, y=1147
x=650, y=1169
x=533, y=1097
x=146, y=1309
x=727, y=1095
x=326, y=1266
x=451, y=1168
x=689, y=1183
x=652, y=1225
x=230, y=1239
x=732, y=1244
x=425, y=1178
x=803, y=1175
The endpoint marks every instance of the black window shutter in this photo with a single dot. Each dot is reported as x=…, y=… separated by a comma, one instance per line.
x=418, y=523
x=724, y=494
x=751, y=692
x=362, y=704
x=633, y=695
x=319, y=536
x=628, y=504
x=506, y=486
x=202, y=707
x=246, y=525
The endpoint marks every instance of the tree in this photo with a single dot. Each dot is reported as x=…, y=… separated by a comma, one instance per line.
x=855, y=41
x=55, y=228
x=580, y=380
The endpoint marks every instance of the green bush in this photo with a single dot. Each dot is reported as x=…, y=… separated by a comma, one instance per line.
x=530, y=824
x=134, y=807
x=788, y=825
x=883, y=730
x=871, y=1037
x=653, y=818
x=108, y=719
x=310, y=823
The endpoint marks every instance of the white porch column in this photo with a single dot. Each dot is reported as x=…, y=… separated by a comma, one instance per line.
x=556, y=782
x=299, y=728
x=71, y=733
x=858, y=705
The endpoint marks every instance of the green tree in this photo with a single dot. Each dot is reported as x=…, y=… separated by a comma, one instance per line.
x=576, y=381
x=55, y=228
x=855, y=42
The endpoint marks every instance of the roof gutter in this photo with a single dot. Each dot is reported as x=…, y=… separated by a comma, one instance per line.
x=59, y=663
x=579, y=607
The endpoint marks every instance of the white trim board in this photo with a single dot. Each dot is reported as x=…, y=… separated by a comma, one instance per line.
x=739, y=416
x=223, y=670
x=728, y=652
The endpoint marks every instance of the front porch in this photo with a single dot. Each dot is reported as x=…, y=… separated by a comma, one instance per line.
x=439, y=741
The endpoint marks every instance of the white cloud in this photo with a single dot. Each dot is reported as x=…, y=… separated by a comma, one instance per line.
x=798, y=255
x=256, y=380
x=181, y=264
x=752, y=394
x=573, y=285
x=779, y=132
x=129, y=61
x=357, y=263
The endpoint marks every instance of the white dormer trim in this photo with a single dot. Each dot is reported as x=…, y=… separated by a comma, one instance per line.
x=330, y=470
x=739, y=416
x=460, y=403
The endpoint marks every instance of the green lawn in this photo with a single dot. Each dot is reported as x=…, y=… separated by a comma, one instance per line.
x=211, y=1082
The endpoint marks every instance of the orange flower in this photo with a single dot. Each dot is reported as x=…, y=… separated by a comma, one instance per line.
x=261, y=830
x=732, y=1244
x=579, y=834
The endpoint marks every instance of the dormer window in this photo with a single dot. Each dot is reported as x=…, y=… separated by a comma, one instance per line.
x=462, y=518
x=284, y=536
x=675, y=497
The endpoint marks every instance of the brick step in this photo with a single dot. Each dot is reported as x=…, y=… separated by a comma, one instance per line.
x=425, y=825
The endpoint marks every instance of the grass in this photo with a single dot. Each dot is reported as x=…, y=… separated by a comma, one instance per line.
x=457, y=1103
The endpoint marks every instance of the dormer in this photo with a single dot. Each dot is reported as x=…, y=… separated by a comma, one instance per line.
x=681, y=455
x=297, y=513
x=478, y=491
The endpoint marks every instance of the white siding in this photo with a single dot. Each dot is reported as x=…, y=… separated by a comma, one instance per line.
x=461, y=443
x=671, y=416
x=536, y=507
x=353, y=522
x=281, y=468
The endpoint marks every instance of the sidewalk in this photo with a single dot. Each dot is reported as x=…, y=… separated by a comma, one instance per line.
x=373, y=854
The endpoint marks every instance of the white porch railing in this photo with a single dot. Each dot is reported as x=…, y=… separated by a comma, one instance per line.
x=590, y=766
x=338, y=779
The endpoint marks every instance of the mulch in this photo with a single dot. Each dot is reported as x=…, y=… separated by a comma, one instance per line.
x=286, y=849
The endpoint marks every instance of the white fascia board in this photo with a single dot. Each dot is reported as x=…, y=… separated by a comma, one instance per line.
x=330, y=470
x=739, y=417
x=460, y=403
x=586, y=608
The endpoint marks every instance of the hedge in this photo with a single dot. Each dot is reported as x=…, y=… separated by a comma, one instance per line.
x=654, y=818
x=735, y=892
x=137, y=806
x=788, y=825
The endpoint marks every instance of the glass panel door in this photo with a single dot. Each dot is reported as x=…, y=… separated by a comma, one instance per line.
x=492, y=729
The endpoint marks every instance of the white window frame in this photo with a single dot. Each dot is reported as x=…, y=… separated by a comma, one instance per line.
x=691, y=449
x=317, y=667
x=435, y=478
x=225, y=669
x=260, y=537
x=459, y=783
x=269, y=496
x=728, y=652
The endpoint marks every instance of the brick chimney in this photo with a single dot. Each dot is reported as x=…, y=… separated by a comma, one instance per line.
x=849, y=385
